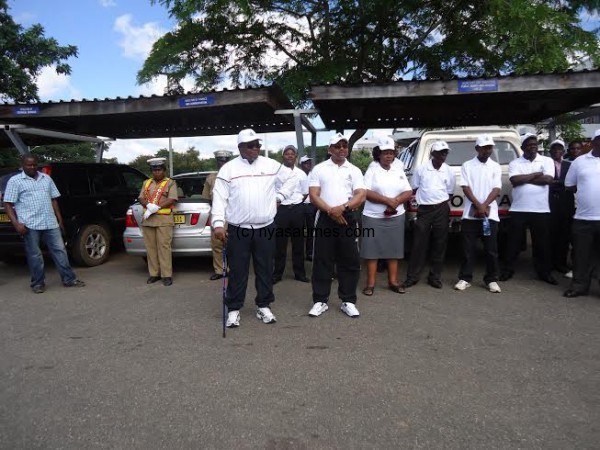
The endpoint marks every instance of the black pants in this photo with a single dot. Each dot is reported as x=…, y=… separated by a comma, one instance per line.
x=290, y=223
x=243, y=243
x=430, y=232
x=539, y=226
x=561, y=219
x=471, y=231
x=310, y=212
x=586, y=252
x=335, y=245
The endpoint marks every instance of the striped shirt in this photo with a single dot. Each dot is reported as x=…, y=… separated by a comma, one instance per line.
x=32, y=199
x=245, y=194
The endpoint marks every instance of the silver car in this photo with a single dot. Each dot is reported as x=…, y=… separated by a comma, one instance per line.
x=191, y=214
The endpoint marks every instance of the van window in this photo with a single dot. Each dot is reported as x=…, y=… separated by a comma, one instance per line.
x=461, y=151
x=133, y=181
x=190, y=187
x=78, y=183
x=408, y=155
x=106, y=181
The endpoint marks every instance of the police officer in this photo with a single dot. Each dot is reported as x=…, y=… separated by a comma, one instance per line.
x=222, y=156
x=158, y=195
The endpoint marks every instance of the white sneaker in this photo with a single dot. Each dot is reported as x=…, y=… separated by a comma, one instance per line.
x=462, y=285
x=350, y=309
x=318, y=309
x=493, y=287
x=266, y=315
x=233, y=319
x=569, y=274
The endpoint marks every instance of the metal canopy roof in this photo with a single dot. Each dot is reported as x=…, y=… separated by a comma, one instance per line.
x=502, y=100
x=214, y=113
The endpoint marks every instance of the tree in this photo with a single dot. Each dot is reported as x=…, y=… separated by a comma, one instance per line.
x=80, y=152
x=23, y=54
x=298, y=43
x=189, y=161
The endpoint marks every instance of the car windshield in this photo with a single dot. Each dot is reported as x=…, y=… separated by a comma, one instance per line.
x=461, y=151
x=190, y=187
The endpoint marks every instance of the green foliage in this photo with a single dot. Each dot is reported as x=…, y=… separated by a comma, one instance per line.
x=299, y=43
x=361, y=159
x=80, y=152
x=23, y=54
x=9, y=157
x=189, y=161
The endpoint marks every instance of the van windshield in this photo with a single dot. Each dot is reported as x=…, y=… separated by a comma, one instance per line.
x=461, y=151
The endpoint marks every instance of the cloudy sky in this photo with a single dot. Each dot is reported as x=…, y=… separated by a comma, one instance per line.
x=114, y=37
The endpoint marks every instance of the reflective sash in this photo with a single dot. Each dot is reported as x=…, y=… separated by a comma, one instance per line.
x=161, y=188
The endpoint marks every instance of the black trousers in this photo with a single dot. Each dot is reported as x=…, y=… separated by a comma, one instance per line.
x=561, y=218
x=586, y=252
x=430, y=232
x=539, y=226
x=290, y=223
x=310, y=212
x=471, y=231
x=243, y=243
x=335, y=245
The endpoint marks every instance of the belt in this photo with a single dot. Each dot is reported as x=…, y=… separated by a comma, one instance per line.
x=439, y=205
x=290, y=206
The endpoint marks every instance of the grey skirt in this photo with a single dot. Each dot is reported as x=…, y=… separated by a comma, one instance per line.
x=382, y=238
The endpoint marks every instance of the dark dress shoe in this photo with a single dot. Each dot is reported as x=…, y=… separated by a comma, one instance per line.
x=571, y=293
x=409, y=283
x=276, y=280
x=434, y=283
x=548, y=279
x=216, y=276
x=303, y=279
x=167, y=281
x=505, y=275
x=152, y=280
x=38, y=289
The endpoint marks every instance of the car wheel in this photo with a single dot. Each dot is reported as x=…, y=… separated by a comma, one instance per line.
x=91, y=246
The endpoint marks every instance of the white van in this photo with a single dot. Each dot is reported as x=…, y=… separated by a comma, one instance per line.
x=462, y=148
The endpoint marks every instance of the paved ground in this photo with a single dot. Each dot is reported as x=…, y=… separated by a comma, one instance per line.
x=120, y=364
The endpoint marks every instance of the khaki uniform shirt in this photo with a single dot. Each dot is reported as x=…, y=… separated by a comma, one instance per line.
x=159, y=220
x=209, y=185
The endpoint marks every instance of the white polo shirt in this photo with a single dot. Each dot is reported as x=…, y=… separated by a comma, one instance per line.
x=585, y=174
x=337, y=183
x=245, y=194
x=530, y=197
x=433, y=186
x=298, y=193
x=482, y=178
x=389, y=183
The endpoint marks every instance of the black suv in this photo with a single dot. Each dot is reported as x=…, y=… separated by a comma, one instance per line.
x=94, y=201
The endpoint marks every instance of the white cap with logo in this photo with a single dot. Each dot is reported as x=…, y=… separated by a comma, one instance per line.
x=527, y=136
x=337, y=138
x=438, y=146
x=483, y=140
x=386, y=143
x=557, y=142
x=305, y=158
x=247, y=135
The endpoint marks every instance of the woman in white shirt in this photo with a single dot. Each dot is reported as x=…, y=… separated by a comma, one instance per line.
x=383, y=216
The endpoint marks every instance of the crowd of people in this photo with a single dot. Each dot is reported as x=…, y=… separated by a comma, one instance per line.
x=259, y=203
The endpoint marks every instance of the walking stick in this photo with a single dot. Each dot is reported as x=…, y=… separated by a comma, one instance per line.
x=224, y=290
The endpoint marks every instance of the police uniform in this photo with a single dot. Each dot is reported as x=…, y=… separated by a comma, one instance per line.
x=157, y=227
x=215, y=244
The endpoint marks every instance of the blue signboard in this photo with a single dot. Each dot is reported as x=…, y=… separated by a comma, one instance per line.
x=196, y=101
x=477, y=85
x=26, y=110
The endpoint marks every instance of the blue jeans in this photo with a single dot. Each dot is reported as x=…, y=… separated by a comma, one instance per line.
x=54, y=242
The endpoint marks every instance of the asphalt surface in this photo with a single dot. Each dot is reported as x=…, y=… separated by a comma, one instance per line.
x=121, y=364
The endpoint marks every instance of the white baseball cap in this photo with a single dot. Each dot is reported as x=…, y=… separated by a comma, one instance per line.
x=527, y=136
x=439, y=146
x=247, y=135
x=483, y=140
x=557, y=142
x=337, y=138
x=305, y=158
x=386, y=143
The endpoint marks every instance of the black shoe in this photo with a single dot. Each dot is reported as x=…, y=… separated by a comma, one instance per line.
x=216, y=276
x=434, y=283
x=571, y=293
x=561, y=269
x=152, y=280
x=76, y=283
x=548, y=279
x=39, y=289
x=302, y=278
x=276, y=280
x=409, y=283
x=167, y=281
x=505, y=275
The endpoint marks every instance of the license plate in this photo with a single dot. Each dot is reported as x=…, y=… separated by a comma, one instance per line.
x=4, y=218
x=179, y=218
